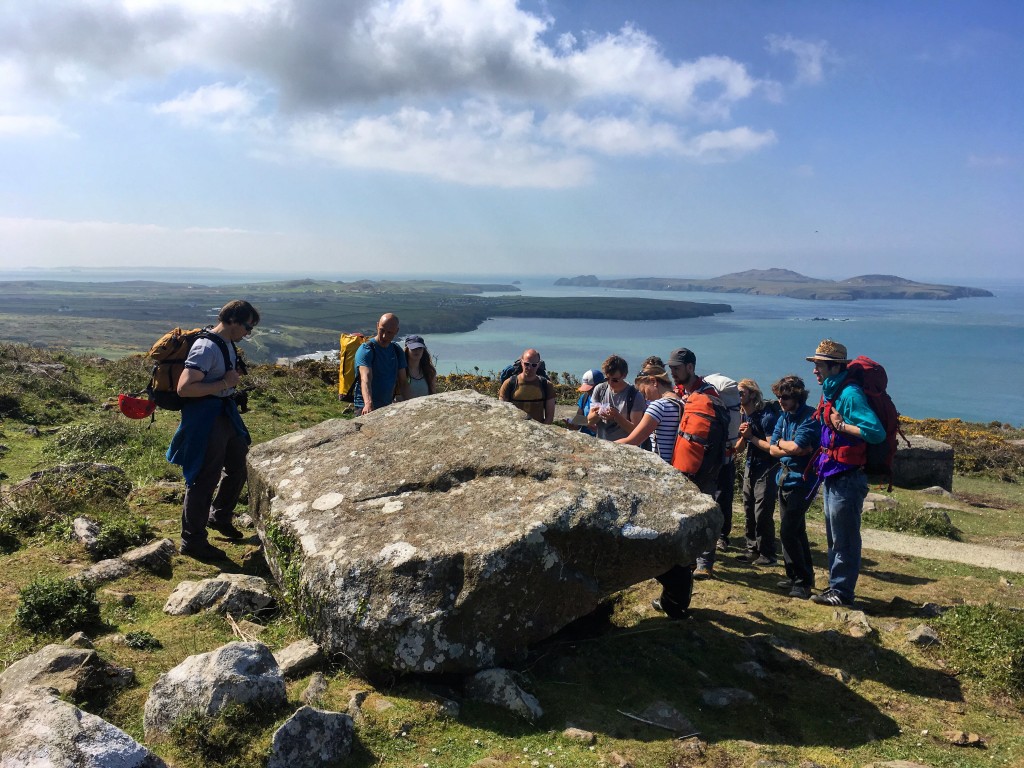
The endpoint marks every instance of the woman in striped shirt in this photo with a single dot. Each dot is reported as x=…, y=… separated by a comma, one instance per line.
x=664, y=409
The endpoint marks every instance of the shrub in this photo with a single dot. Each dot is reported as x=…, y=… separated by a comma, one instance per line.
x=112, y=439
x=978, y=449
x=986, y=642
x=228, y=739
x=142, y=640
x=57, y=606
x=926, y=522
x=119, y=534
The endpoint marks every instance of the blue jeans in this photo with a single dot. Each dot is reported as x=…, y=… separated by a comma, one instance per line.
x=843, y=496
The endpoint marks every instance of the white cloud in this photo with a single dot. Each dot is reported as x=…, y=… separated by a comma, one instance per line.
x=32, y=126
x=397, y=84
x=811, y=57
x=991, y=161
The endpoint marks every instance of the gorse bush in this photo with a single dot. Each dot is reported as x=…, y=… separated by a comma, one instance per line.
x=986, y=642
x=57, y=606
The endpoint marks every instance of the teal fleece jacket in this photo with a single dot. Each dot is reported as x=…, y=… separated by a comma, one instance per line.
x=853, y=407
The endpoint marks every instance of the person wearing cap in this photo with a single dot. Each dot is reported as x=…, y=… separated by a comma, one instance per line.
x=588, y=381
x=530, y=393
x=212, y=442
x=382, y=368
x=683, y=363
x=420, y=368
x=616, y=406
x=847, y=424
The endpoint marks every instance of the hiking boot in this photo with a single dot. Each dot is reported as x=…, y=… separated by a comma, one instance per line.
x=669, y=607
x=227, y=530
x=703, y=572
x=786, y=584
x=762, y=560
x=830, y=597
x=801, y=592
x=203, y=550
x=722, y=544
x=747, y=557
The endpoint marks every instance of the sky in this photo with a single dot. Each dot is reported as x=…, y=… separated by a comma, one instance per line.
x=679, y=138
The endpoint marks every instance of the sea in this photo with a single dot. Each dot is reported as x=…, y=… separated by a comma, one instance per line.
x=945, y=359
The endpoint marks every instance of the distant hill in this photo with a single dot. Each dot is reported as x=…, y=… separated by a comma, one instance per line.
x=786, y=282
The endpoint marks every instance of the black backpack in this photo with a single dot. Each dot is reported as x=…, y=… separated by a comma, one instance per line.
x=514, y=369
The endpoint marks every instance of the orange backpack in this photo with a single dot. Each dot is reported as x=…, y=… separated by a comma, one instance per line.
x=700, y=443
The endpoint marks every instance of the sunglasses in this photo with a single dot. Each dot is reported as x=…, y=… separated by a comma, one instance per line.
x=531, y=365
x=248, y=328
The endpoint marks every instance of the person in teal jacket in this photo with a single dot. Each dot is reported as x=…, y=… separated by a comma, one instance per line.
x=848, y=424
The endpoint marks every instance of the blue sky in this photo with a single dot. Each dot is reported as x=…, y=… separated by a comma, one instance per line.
x=663, y=137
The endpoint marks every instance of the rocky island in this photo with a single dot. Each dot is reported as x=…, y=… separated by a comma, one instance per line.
x=785, y=282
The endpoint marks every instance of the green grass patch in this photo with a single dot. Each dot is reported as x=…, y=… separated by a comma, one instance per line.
x=986, y=642
x=906, y=519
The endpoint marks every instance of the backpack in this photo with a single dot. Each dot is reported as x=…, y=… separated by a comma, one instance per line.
x=349, y=345
x=703, y=431
x=729, y=391
x=169, y=355
x=514, y=369
x=873, y=380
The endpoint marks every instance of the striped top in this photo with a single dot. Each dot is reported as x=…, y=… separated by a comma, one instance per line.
x=666, y=411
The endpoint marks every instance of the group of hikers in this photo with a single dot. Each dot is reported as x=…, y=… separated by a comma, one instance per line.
x=791, y=450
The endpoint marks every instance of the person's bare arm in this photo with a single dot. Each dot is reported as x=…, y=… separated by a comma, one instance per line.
x=365, y=384
x=640, y=432
x=549, y=410
x=403, y=383
x=191, y=384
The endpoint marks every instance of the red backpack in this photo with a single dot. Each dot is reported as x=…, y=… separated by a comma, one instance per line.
x=872, y=379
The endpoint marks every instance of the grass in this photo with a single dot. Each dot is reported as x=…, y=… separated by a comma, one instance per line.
x=880, y=693
x=915, y=520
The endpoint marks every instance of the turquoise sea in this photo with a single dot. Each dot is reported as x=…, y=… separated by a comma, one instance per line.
x=945, y=359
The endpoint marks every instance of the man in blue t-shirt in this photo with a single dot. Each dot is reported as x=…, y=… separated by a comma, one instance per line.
x=794, y=441
x=381, y=364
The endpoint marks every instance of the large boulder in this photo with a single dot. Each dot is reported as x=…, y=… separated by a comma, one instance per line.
x=78, y=673
x=925, y=462
x=236, y=673
x=38, y=729
x=447, y=533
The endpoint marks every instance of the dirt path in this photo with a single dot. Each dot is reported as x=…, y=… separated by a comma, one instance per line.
x=943, y=549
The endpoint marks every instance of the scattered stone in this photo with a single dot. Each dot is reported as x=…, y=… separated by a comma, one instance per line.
x=937, y=505
x=751, y=668
x=312, y=738
x=925, y=462
x=244, y=520
x=1005, y=582
x=86, y=532
x=841, y=675
x=923, y=635
x=963, y=739
x=619, y=761
x=78, y=640
x=880, y=500
x=77, y=673
x=316, y=689
x=298, y=658
x=104, y=571
x=236, y=593
x=720, y=698
x=579, y=735
x=33, y=432
x=236, y=673
x=250, y=630
x=932, y=610
x=499, y=687
x=937, y=490
x=155, y=556
x=665, y=715
x=39, y=729
x=448, y=707
x=856, y=623
x=435, y=567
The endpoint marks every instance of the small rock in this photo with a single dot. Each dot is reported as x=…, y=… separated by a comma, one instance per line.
x=619, y=761
x=299, y=657
x=155, y=556
x=719, y=698
x=923, y=635
x=881, y=500
x=841, y=675
x=1005, y=582
x=937, y=490
x=963, y=739
x=78, y=640
x=751, y=668
x=104, y=571
x=86, y=532
x=311, y=738
x=235, y=593
x=856, y=622
x=244, y=520
x=932, y=610
x=868, y=506
x=667, y=716
x=579, y=735
x=940, y=506
x=448, y=707
x=316, y=689
x=251, y=628
x=355, y=706
x=498, y=686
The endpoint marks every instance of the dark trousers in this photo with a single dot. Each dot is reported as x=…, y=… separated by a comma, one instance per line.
x=759, y=494
x=796, y=549
x=677, y=590
x=725, y=494
x=225, y=454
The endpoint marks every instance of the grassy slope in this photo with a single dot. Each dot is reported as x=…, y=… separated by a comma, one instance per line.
x=890, y=692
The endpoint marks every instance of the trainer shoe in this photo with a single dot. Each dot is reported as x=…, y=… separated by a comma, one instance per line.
x=747, y=557
x=672, y=611
x=722, y=544
x=786, y=584
x=830, y=597
x=203, y=550
x=227, y=530
x=703, y=572
x=802, y=592
x=762, y=560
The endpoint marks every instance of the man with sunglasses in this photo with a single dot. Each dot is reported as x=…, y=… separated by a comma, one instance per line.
x=212, y=440
x=616, y=406
x=530, y=393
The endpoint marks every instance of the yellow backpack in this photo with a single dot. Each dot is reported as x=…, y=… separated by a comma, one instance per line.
x=349, y=345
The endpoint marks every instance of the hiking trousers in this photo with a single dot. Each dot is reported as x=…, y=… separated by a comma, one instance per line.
x=796, y=549
x=759, y=495
x=225, y=455
x=843, y=496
